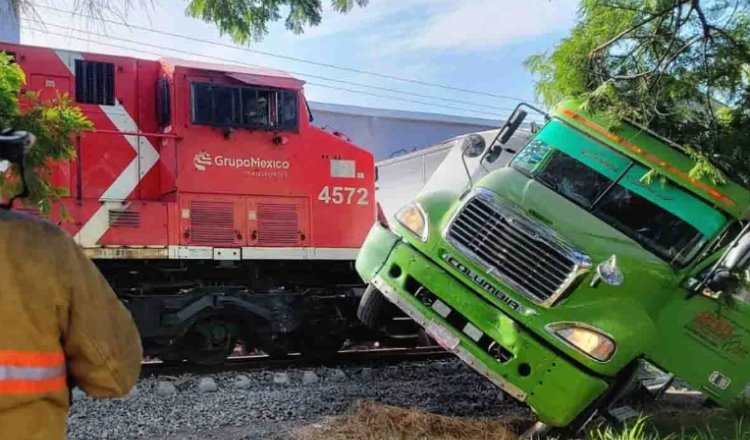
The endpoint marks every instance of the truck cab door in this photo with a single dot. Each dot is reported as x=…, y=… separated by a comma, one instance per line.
x=706, y=341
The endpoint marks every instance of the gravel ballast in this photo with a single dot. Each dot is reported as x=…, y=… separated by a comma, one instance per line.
x=266, y=405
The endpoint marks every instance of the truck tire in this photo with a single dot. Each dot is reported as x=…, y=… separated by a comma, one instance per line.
x=374, y=309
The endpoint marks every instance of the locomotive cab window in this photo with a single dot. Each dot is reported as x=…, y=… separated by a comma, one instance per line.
x=249, y=107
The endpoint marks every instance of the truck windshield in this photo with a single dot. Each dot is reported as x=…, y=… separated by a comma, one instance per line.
x=660, y=216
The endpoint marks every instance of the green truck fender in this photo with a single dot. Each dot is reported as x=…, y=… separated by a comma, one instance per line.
x=374, y=253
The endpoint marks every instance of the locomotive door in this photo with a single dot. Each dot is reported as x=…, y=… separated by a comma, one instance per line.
x=107, y=94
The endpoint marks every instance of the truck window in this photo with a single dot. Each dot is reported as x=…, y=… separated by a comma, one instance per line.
x=651, y=225
x=573, y=179
x=668, y=221
x=249, y=107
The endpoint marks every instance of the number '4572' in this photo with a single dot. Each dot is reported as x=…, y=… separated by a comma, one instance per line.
x=344, y=195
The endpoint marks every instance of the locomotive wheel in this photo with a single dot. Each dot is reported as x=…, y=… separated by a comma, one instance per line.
x=210, y=342
x=278, y=345
x=171, y=358
x=320, y=344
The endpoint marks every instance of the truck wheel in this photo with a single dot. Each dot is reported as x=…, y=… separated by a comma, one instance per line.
x=374, y=309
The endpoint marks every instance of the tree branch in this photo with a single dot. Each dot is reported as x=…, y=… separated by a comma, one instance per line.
x=661, y=65
x=637, y=26
x=709, y=85
x=696, y=4
x=744, y=49
x=626, y=8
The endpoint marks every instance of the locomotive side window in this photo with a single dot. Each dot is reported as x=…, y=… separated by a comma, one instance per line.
x=250, y=107
x=203, y=107
x=288, y=110
x=95, y=82
x=227, y=109
x=256, y=109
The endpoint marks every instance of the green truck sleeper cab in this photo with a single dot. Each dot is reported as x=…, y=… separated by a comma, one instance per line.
x=556, y=275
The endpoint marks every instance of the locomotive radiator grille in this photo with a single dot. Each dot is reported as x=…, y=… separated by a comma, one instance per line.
x=278, y=224
x=518, y=251
x=124, y=218
x=212, y=222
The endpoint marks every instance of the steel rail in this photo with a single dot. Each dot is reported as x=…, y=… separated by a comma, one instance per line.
x=263, y=362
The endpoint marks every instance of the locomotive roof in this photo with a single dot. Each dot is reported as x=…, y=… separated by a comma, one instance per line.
x=250, y=75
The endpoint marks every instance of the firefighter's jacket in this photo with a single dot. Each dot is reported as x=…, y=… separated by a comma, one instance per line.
x=60, y=324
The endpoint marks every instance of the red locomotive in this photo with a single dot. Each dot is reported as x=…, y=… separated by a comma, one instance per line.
x=210, y=202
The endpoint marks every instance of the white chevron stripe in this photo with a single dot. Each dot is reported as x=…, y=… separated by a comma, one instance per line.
x=131, y=176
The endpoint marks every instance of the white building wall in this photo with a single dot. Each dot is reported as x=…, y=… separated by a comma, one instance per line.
x=10, y=28
x=390, y=133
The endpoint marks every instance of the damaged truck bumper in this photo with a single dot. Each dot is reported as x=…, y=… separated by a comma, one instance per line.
x=485, y=338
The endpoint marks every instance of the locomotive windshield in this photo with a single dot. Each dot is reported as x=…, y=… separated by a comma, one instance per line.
x=661, y=217
x=249, y=107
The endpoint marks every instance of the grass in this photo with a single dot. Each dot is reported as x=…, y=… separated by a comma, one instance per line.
x=681, y=419
x=373, y=421
x=642, y=429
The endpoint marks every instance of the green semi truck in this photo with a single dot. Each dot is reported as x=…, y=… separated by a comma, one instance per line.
x=558, y=275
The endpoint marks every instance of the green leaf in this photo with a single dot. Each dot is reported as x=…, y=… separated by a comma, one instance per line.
x=247, y=20
x=54, y=122
x=651, y=62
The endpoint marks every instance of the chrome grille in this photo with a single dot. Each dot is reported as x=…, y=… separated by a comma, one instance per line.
x=519, y=251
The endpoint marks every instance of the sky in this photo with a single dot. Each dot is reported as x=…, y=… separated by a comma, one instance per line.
x=476, y=45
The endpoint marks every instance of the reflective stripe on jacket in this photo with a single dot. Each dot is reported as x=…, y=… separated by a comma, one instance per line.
x=27, y=372
x=60, y=323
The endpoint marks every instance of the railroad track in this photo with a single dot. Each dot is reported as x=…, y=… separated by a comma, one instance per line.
x=263, y=362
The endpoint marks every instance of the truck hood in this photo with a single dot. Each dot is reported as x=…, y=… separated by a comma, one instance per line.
x=581, y=229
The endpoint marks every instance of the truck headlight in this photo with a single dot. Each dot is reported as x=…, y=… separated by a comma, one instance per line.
x=412, y=217
x=590, y=341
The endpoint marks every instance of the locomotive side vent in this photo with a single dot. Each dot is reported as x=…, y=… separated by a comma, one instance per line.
x=95, y=82
x=278, y=225
x=212, y=223
x=124, y=218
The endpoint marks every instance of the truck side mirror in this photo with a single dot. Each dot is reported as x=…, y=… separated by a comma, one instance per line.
x=719, y=280
x=515, y=121
x=163, y=102
x=508, y=130
x=739, y=254
x=473, y=145
x=735, y=259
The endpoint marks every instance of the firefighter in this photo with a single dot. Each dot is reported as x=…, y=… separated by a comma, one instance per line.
x=62, y=324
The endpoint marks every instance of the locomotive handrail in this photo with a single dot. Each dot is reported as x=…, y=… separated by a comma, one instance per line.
x=133, y=133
